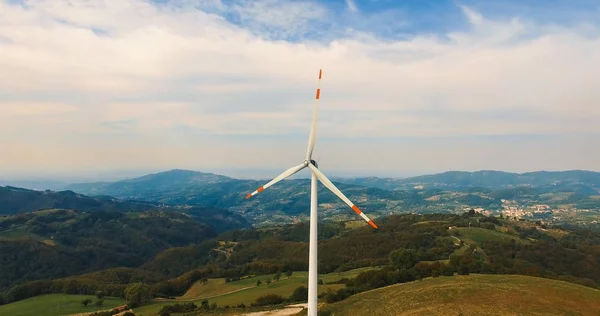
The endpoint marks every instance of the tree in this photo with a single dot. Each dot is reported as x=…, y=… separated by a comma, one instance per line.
x=269, y=299
x=403, y=258
x=137, y=294
x=204, y=304
x=213, y=305
x=258, y=283
x=463, y=269
x=277, y=276
x=99, y=302
x=288, y=273
x=86, y=302
x=268, y=282
x=99, y=294
x=300, y=294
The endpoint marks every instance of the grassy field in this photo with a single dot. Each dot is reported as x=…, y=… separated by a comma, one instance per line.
x=477, y=235
x=245, y=291
x=56, y=304
x=17, y=233
x=474, y=295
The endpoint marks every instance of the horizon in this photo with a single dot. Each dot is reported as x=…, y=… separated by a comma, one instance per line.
x=267, y=174
x=93, y=89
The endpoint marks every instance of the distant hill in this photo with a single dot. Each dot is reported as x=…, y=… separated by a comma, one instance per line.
x=288, y=200
x=289, y=197
x=474, y=295
x=168, y=181
x=486, y=178
x=494, y=179
x=35, y=185
x=17, y=200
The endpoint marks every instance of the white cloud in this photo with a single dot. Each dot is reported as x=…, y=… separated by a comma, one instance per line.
x=352, y=5
x=134, y=70
x=278, y=19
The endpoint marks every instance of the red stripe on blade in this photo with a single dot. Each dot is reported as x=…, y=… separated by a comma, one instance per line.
x=260, y=189
x=356, y=209
x=320, y=73
x=372, y=224
x=318, y=93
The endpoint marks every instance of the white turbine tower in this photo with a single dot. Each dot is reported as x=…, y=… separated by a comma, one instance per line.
x=316, y=174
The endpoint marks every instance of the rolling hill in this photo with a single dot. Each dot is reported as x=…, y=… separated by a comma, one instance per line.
x=474, y=295
x=175, y=188
x=459, y=180
x=46, y=234
x=17, y=200
x=169, y=181
x=405, y=248
x=59, y=243
x=288, y=200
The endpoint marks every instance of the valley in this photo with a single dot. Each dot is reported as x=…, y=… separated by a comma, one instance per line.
x=183, y=249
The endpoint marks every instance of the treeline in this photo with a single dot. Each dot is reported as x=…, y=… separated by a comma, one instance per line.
x=55, y=244
x=471, y=261
x=258, y=251
x=411, y=246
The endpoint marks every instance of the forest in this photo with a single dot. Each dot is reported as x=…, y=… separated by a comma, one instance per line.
x=407, y=247
x=59, y=243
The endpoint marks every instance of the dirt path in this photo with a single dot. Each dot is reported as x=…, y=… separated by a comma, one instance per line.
x=287, y=311
x=179, y=299
x=201, y=298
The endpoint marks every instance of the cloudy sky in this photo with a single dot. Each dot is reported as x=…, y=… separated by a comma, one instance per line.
x=99, y=87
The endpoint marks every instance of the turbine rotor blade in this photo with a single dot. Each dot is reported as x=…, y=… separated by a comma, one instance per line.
x=313, y=127
x=339, y=193
x=291, y=171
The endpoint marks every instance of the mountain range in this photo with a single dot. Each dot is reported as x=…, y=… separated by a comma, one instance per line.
x=195, y=193
x=288, y=200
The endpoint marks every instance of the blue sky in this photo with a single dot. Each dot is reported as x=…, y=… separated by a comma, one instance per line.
x=89, y=87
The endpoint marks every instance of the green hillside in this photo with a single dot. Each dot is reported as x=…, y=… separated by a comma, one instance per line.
x=18, y=200
x=406, y=247
x=58, y=304
x=245, y=291
x=474, y=295
x=59, y=243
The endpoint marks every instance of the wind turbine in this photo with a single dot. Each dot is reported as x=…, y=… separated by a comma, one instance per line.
x=315, y=174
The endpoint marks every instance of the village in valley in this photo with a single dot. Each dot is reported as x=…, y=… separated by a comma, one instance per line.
x=543, y=213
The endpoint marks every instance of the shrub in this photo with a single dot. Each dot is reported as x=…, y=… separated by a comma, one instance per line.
x=269, y=299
